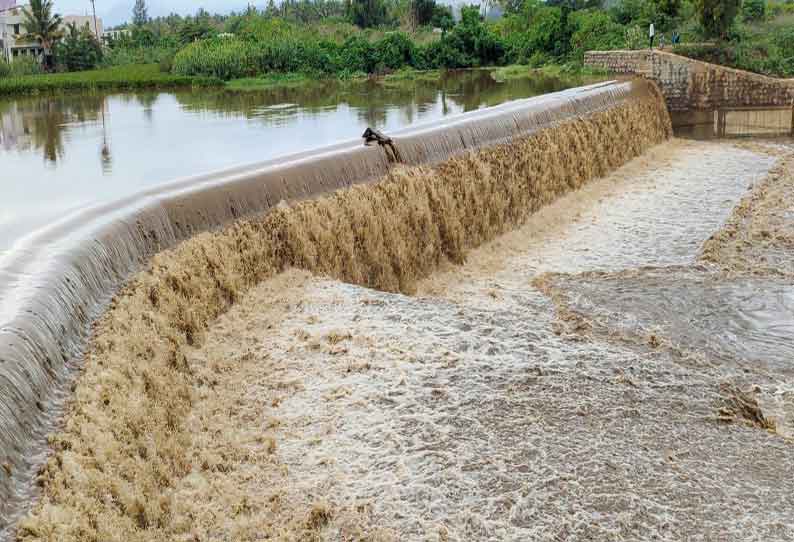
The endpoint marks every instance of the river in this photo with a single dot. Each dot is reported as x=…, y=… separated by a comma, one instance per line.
x=616, y=368
x=59, y=155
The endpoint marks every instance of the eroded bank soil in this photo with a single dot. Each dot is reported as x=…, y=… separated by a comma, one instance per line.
x=617, y=369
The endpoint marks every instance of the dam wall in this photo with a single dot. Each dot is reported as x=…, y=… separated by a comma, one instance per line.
x=692, y=85
x=57, y=282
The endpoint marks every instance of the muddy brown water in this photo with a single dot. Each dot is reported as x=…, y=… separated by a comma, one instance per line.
x=475, y=418
x=474, y=411
x=744, y=122
x=56, y=282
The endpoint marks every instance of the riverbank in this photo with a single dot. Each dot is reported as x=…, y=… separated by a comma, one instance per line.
x=578, y=75
x=149, y=77
x=120, y=78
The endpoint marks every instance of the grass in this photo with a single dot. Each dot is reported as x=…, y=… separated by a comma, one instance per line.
x=269, y=81
x=522, y=71
x=149, y=76
x=131, y=77
x=274, y=80
x=519, y=71
x=409, y=74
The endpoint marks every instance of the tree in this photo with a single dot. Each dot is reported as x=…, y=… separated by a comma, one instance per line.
x=271, y=10
x=42, y=26
x=79, y=50
x=140, y=15
x=717, y=16
x=575, y=4
x=753, y=10
x=367, y=13
x=422, y=11
x=668, y=7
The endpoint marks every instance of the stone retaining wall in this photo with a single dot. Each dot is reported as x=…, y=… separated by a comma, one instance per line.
x=693, y=85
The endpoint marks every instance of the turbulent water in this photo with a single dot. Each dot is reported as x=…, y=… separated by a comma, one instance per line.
x=609, y=364
x=126, y=440
x=485, y=410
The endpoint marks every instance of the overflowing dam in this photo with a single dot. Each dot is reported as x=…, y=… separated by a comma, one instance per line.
x=56, y=282
x=130, y=334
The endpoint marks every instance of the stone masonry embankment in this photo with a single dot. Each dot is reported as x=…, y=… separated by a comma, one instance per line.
x=694, y=85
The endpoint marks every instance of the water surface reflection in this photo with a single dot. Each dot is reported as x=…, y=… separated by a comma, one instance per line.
x=61, y=154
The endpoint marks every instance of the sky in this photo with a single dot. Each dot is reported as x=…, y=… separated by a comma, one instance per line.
x=114, y=12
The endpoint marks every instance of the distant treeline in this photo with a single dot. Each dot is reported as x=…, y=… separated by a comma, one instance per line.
x=359, y=37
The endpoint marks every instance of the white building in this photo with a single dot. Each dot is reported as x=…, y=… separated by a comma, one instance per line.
x=115, y=34
x=85, y=20
x=12, y=30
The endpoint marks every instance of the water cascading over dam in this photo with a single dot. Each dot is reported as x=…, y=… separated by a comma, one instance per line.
x=429, y=196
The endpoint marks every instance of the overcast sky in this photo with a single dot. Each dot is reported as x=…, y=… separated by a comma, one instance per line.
x=114, y=12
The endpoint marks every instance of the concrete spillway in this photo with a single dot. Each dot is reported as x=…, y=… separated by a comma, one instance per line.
x=57, y=281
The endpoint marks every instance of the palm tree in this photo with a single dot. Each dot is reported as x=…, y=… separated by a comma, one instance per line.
x=42, y=26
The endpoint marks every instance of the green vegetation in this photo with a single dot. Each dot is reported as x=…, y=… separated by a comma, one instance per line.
x=268, y=81
x=761, y=40
x=21, y=66
x=126, y=78
x=42, y=25
x=532, y=32
x=717, y=16
x=78, y=50
x=265, y=46
x=296, y=40
x=562, y=71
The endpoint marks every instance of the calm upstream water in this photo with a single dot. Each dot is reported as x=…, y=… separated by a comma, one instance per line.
x=62, y=154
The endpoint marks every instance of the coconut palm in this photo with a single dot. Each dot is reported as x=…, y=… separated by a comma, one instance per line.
x=42, y=26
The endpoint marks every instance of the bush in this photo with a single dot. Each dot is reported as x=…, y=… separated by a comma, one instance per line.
x=368, y=13
x=395, y=51
x=784, y=39
x=122, y=55
x=668, y=7
x=717, y=16
x=78, y=51
x=223, y=58
x=166, y=64
x=358, y=55
x=769, y=56
x=118, y=78
x=545, y=30
x=475, y=43
x=636, y=38
x=20, y=66
x=538, y=32
x=753, y=10
x=275, y=46
x=594, y=31
x=637, y=12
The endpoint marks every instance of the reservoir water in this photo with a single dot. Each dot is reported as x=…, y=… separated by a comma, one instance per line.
x=60, y=155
